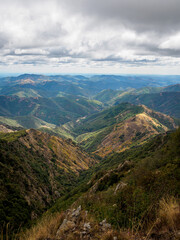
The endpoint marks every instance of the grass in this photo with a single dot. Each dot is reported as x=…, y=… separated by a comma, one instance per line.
x=91, y=140
x=9, y=121
x=33, y=122
x=169, y=212
x=27, y=93
x=167, y=222
x=45, y=228
x=96, y=102
x=10, y=137
x=58, y=131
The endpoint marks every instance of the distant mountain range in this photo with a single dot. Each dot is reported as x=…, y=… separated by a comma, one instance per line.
x=31, y=85
x=35, y=101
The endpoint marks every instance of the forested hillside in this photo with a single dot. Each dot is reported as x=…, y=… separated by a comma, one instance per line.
x=36, y=169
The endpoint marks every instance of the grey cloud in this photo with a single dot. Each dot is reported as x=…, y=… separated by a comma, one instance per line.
x=60, y=52
x=166, y=52
x=154, y=49
x=52, y=31
x=142, y=15
x=3, y=39
x=21, y=53
x=122, y=60
x=31, y=61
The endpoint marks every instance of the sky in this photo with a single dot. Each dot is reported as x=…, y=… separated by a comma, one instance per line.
x=90, y=36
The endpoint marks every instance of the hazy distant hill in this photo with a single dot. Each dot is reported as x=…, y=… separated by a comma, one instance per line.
x=109, y=96
x=166, y=102
x=163, y=99
x=30, y=85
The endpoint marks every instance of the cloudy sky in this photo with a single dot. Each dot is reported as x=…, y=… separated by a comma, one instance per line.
x=90, y=36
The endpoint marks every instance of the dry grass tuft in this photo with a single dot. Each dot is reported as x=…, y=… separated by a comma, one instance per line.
x=111, y=235
x=169, y=212
x=46, y=228
x=167, y=223
x=108, y=235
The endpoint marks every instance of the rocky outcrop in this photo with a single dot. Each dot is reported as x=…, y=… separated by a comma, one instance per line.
x=77, y=225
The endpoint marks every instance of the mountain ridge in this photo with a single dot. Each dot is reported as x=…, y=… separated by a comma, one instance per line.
x=106, y=129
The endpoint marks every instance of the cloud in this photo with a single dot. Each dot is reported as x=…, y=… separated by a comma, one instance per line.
x=89, y=33
x=173, y=42
x=143, y=15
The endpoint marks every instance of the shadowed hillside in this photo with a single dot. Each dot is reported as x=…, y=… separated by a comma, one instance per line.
x=51, y=110
x=36, y=169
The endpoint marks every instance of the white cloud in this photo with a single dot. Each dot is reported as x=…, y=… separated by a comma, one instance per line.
x=173, y=42
x=86, y=35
